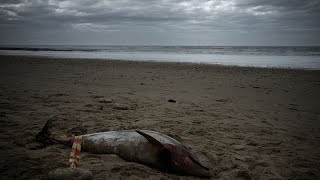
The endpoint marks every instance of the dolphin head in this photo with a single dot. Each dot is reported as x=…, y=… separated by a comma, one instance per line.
x=177, y=158
x=181, y=160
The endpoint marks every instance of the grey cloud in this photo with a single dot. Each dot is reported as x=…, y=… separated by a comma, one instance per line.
x=216, y=17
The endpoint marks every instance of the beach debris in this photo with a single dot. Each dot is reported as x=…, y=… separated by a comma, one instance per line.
x=238, y=147
x=222, y=100
x=70, y=174
x=293, y=109
x=88, y=105
x=120, y=106
x=172, y=101
x=105, y=100
x=199, y=110
x=252, y=143
x=58, y=95
x=97, y=96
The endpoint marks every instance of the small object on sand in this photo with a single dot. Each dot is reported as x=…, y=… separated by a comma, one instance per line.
x=104, y=100
x=70, y=174
x=222, y=100
x=238, y=147
x=120, y=106
x=172, y=101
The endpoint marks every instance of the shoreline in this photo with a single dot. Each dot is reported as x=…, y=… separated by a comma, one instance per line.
x=242, y=122
x=157, y=62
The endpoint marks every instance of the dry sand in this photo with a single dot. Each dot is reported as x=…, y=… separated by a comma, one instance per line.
x=241, y=122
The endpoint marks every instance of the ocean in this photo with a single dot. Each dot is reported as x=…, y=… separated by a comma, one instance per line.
x=253, y=56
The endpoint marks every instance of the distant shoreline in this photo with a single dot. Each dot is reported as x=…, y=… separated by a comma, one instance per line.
x=157, y=61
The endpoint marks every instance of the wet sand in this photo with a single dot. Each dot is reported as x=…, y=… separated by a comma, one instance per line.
x=242, y=123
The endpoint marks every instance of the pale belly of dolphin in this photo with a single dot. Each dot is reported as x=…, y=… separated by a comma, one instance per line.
x=127, y=144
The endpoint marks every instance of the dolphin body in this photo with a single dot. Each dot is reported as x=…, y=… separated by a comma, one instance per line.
x=146, y=147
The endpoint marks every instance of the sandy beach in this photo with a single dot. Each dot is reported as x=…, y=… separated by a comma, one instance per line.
x=242, y=122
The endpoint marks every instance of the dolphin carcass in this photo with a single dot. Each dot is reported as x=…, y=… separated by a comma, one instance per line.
x=143, y=146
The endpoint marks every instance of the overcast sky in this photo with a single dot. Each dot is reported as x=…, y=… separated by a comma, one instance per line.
x=160, y=22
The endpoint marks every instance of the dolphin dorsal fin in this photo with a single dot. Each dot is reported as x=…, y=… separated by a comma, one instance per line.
x=151, y=139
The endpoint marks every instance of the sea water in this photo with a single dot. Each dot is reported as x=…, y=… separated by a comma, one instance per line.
x=255, y=56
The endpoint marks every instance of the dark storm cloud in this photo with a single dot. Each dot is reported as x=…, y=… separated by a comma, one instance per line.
x=42, y=19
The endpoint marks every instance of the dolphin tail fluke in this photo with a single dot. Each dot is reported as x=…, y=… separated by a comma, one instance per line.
x=44, y=136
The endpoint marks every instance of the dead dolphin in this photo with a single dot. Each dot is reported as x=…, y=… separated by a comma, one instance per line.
x=144, y=146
